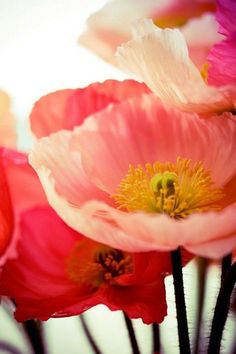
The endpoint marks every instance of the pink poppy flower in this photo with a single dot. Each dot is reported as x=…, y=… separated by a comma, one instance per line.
x=60, y=273
x=110, y=26
x=56, y=256
x=161, y=59
x=139, y=177
x=7, y=122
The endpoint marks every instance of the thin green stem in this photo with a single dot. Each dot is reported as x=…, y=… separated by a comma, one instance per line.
x=202, y=269
x=89, y=335
x=182, y=322
x=132, y=337
x=225, y=265
x=221, y=310
x=156, y=338
x=33, y=330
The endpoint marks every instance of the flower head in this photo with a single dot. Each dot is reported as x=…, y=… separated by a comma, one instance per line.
x=138, y=175
x=61, y=273
x=110, y=27
x=161, y=59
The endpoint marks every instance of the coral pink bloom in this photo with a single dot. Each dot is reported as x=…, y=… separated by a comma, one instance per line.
x=161, y=59
x=7, y=122
x=163, y=200
x=110, y=26
x=61, y=273
x=6, y=217
x=67, y=108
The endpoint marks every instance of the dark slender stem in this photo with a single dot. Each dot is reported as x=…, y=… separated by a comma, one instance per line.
x=156, y=338
x=225, y=265
x=34, y=332
x=132, y=336
x=9, y=348
x=202, y=268
x=184, y=343
x=221, y=310
x=89, y=335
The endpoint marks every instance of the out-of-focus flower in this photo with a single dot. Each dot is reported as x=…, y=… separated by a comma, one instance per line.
x=141, y=177
x=222, y=58
x=60, y=273
x=161, y=59
x=6, y=218
x=110, y=26
x=7, y=122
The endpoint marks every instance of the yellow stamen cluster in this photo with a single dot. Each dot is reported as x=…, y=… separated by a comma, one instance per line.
x=177, y=189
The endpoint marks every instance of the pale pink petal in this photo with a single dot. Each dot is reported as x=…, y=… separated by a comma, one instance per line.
x=53, y=153
x=110, y=26
x=160, y=58
x=7, y=122
x=143, y=232
x=142, y=130
x=67, y=108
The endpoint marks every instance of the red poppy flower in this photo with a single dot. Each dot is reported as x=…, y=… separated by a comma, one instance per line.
x=61, y=273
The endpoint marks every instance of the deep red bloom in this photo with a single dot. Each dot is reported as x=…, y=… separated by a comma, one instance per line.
x=61, y=273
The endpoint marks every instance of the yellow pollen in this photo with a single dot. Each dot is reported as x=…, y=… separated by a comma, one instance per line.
x=177, y=189
x=204, y=71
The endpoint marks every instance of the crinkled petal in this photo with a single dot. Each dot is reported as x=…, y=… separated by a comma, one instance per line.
x=67, y=108
x=143, y=130
x=222, y=59
x=138, y=232
x=225, y=15
x=160, y=58
x=109, y=27
x=66, y=168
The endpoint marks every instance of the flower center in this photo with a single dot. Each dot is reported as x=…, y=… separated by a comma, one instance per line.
x=177, y=189
x=92, y=264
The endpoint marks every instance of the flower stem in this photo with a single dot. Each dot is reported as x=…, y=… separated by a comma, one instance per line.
x=202, y=264
x=34, y=332
x=132, y=336
x=89, y=336
x=225, y=265
x=184, y=343
x=9, y=348
x=156, y=338
x=221, y=310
